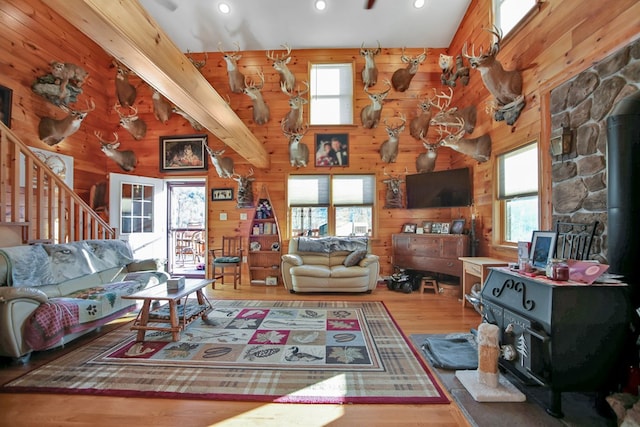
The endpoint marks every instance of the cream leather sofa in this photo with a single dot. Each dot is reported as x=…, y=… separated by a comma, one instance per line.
x=318, y=265
x=51, y=294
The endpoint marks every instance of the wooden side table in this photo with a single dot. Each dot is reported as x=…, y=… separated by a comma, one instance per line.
x=474, y=268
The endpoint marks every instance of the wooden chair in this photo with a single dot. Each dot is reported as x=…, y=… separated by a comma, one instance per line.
x=227, y=260
x=574, y=240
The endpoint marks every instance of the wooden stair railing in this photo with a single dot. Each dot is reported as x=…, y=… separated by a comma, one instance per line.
x=48, y=209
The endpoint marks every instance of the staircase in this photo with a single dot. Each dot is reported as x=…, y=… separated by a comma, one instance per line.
x=47, y=210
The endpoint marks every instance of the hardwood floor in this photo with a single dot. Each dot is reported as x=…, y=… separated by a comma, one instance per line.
x=415, y=313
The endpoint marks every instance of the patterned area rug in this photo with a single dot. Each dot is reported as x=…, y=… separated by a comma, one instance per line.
x=289, y=352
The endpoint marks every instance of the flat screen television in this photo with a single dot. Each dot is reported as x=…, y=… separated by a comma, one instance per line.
x=441, y=189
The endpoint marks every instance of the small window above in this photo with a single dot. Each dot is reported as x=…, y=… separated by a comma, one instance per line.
x=510, y=15
x=331, y=93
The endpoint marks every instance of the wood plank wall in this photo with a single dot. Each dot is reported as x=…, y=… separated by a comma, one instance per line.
x=562, y=40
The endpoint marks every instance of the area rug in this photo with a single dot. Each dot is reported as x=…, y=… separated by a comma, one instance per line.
x=273, y=351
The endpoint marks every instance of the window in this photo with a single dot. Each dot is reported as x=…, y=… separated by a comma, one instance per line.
x=518, y=193
x=331, y=94
x=326, y=205
x=136, y=206
x=508, y=14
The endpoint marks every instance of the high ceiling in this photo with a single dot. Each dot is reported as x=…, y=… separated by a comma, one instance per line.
x=198, y=26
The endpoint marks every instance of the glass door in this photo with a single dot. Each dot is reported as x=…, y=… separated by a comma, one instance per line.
x=186, y=239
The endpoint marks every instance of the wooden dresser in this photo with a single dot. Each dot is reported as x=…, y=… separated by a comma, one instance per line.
x=436, y=253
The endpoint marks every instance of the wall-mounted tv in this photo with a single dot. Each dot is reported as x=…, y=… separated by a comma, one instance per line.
x=441, y=189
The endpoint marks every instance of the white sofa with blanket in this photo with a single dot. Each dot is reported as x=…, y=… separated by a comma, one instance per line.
x=330, y=264
x=53, y=293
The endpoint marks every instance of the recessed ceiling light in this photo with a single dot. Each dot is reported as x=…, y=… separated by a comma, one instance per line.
x=224, y=8
x=321, y=4
x=418, y=4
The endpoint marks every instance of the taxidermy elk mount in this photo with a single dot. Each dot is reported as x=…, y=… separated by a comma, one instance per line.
x=132, y=123
x=125, y=91
x=236, y=78
x=370, y=71
x=293, y=120
x=389, y=148
x=298, y=151
x=280, y=65
x=223, y=165
x=401, y=78
x=245, y=189
x=261, y=112
x=370, y=114
x=505, y=86
x=52, y=131
x=451, y=72
x=394, y=194
x=126, y=159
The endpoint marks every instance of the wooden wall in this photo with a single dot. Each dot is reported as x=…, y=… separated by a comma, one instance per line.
x=563, y=39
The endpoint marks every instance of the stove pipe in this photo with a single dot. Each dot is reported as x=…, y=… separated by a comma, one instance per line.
x=623, y=189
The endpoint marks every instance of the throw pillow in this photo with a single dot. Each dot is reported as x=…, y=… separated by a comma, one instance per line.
x=354, y=258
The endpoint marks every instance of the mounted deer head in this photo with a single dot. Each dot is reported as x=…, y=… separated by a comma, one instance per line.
x=394, y=195
x=245, y=189
x=402, y=77
x=505, y=86
x=162, y=108
x=478, y=148
x=197, y=64
x=132, y=123
x=298, y=151
x=194, y=124
x=389, y=148
x=370, y=114
x=280, y=65
x=52, y=131
x=125, y=91
x=125, y=159
x=370, y=71
x=419, y=125
x=261, y=112
x=236, y=78
x=426, y=162
x=293, y=119
x=223, y=165
x=450, y=116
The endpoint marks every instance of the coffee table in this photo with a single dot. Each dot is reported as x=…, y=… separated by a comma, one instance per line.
x=175, y=315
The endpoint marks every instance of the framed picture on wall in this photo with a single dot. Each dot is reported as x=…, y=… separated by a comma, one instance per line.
x=6, y=95
x=183, y=153
x=218, y=194
x=332, y=149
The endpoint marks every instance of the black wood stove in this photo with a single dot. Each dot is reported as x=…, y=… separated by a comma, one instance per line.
x=566, y=336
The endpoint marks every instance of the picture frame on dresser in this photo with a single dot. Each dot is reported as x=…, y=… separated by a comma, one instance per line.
x=444, y=228
x=426, y=226
x=457, y=226
x=543, y=244
x=436, y=228
x=409, y=228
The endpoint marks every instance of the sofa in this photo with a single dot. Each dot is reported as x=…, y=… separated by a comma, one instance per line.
x=53, y=293
x=330, y=264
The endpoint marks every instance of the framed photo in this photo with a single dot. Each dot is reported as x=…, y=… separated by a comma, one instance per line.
x=409, y=228
x=6, y=95
x=436, y=227
x=444, y=228
x=218, y=194
x=543, y=244
x=183, y=153
x=457, y=226
x=426, y=226
x=332, y=149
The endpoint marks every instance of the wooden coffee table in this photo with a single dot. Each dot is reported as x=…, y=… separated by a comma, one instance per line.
x=174, y=316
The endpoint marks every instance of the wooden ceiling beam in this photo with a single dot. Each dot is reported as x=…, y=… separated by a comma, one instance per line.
x=127, y=32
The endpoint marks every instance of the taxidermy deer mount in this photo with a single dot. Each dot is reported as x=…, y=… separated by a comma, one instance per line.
x=223, y=165
x=132, y=123
x=298, y=151
x=236, y=78
x=280, y=65
x=52, y=131
x=261, y=112
x=292, y=122
x=389, y=148
x=125, y=91
x=505, y=86
x=394, y=194
x=451, y=72
x=449, y=116
x=370, y=114
x=126, y=159
x=401, y=78
x=245, y=189
x=370, y=71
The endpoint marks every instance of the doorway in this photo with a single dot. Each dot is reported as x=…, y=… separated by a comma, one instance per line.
x=186, y=233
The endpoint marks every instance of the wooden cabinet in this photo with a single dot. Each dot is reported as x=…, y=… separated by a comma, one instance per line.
x=476, y=269
x=436, y=253
x=264, y=244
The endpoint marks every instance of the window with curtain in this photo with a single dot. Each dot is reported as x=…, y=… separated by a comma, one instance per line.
x=518, y=193
x=331, y=205
x=331, y=92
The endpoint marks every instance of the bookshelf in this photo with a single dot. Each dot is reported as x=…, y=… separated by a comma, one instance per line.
x=264, y=243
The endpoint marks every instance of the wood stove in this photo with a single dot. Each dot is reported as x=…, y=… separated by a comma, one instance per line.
x=566, y=336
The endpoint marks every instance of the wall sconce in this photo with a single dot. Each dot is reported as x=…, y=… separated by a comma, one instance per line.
x=561, y=140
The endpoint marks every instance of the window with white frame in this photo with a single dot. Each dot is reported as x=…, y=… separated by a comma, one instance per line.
x=331, y=93
x=136, y=208
x=518, y=193
x=331, y=205
x=507, y=14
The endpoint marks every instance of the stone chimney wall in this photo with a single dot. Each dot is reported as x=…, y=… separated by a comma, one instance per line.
x=579, y=180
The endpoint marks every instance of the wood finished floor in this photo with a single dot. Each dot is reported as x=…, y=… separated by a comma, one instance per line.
x=415, y=314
